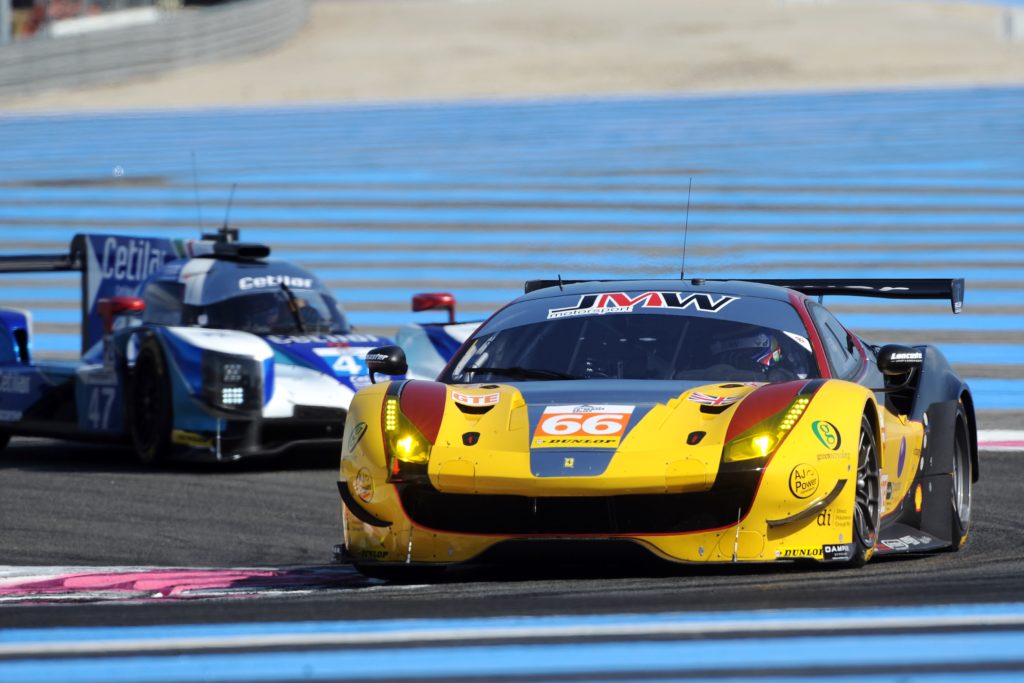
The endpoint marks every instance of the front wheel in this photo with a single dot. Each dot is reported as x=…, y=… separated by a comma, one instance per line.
x=867, y=510
x=961, y=486
x=150, y=411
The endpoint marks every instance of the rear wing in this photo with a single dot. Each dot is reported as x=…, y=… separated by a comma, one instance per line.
x=40, y=263
x=897, y=288
x=117, y=265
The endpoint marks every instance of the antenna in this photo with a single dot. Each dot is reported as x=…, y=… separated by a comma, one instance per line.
x=195, y=189
x=560, y=287
x=686, y=227
x=226, y=234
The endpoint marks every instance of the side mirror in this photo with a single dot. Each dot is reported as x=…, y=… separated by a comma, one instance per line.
x=387, y=360
x=435, y=301
x=895, y=360
x=115, y=306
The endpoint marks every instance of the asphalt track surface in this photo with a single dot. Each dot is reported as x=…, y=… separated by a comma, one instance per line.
x=92, y=505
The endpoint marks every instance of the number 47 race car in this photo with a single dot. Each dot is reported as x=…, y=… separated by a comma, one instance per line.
x=193, y=348
x=703, y=421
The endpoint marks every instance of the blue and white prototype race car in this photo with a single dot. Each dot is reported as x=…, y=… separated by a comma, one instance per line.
x=192, y=348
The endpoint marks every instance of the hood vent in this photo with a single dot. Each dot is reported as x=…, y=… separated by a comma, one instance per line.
x=473, y=410
x=716, y=410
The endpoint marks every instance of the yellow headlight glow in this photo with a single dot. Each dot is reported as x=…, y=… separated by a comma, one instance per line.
x=762, y=443
x=761, y=440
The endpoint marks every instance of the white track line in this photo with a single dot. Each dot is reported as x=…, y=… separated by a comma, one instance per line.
x=682, y=627
x=1000, y=440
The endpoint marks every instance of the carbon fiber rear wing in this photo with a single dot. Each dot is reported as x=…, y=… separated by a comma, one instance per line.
x=41, y=263
x=899, y=288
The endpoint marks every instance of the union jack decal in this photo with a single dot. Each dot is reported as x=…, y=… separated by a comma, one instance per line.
x=708, y=400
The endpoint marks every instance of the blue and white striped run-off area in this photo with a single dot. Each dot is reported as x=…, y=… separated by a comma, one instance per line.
x=385, y=201
x=933, y=644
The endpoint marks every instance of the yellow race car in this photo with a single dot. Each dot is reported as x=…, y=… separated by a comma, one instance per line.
x=704, y=421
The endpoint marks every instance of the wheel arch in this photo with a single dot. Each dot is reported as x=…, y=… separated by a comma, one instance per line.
x=972, y=429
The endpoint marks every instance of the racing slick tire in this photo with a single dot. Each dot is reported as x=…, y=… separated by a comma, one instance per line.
x=961, y=486
x=149, y=403
x=867, y=509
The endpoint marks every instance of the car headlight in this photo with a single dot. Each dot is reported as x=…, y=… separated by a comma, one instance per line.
x=405, y=444
x=764, y=438
x=232, y=383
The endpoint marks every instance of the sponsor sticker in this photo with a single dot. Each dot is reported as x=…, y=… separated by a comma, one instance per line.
x=15, y=383
x=903, y=456
x=624, y=302
x=356, y=435
x=362, y=485
x=184, y=438
x=905, y=542
x=837, y=552
x=262, y=281
x=582, y=426
x=827, y=433
x=803, y=481
x=708, y=400
x=476, y=400
x=340, y=340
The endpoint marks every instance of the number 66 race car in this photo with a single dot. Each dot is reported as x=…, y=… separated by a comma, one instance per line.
x=196, y=348
x=704, y=421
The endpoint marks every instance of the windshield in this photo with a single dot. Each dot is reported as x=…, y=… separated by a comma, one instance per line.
x=642, y=344
x=280, y=311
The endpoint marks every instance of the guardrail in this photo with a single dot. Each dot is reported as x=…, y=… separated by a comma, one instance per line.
x=179, y=38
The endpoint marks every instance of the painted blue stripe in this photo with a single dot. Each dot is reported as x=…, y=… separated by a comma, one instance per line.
x=854, y=321
x=482, y=661
x=472, y=216
x=670, y=238
x=442, y=243
x=1001, y=354
x=523, y=624
x=213, y=201
x=997, y=394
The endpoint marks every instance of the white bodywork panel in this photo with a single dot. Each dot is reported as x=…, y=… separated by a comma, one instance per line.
x=424, y=360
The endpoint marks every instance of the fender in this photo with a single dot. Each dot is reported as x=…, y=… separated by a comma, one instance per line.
x=938, y=384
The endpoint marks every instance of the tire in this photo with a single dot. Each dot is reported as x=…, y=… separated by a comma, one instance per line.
x=962, y=475
x=5, y=439
x=400, y=573
x=150, y=411
x=867, y=510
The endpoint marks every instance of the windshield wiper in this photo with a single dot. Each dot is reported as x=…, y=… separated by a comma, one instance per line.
x=524, y=373
x=293, y=306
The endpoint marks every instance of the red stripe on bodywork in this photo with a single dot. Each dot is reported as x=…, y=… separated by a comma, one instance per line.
x=797, y=300
x=422, y=402
x=760, y=404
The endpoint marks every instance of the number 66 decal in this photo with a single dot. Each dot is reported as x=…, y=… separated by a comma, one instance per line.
x=581, y=426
